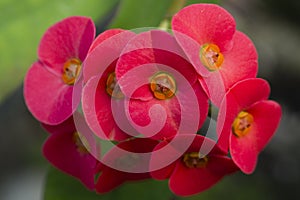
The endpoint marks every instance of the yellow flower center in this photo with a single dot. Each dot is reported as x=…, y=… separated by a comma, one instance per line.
x=211, y=57
x=81, y=143
x=71, y=71
x=112, y=87
x=163, y=86
x=242, y=124
x=195, y=160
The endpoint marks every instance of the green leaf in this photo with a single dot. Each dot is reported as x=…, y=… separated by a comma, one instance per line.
x=140, y=13
x=148, y=13
x=23, y=23
x=60, y=186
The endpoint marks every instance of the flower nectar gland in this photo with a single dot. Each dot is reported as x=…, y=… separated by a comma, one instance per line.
x=163, y=86
x=81, y=143
x=195, y=160
x=112, y=87
x=71, y=71
x=211, y=57
x=242, y=124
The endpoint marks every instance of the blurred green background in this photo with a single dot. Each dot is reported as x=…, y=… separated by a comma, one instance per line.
x=25, y=174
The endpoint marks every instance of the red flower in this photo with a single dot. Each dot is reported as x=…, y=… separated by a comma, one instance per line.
x=161, y=86
x=247, y=121
x=219, y=53
x=48, y=85
x=68, y=150
x=125, y=162
x=200, y=166
x=101, y=86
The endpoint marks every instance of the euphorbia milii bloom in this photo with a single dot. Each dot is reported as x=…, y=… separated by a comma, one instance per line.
x=125, y=162
x=197, y=169
x=219, y=53
x=48, y=85
x=68, y=150
x=163, y=94
x=101, y=86
x=247, y=121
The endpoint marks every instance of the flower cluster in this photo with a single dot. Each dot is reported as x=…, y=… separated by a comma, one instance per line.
x=146, y=96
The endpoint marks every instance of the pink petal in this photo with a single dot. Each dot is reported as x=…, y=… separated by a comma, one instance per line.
x=240, y=97
x=47, y=97
x=67, y=39
x=240, y=63
x=198, y=24
x=103, y=36
x=162, y=119
x=97, y=109
x=267, y=116
x=105, y=50
x=61, y=150
x=66, y=126
x=147, y=54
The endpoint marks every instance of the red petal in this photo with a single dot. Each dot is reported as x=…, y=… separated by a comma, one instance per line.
x=248, y=91
x=103, y=36
x=116, y=157
x=147, y=54
x=198, y=24
x=111, y=178
x=97, y=110
x=240, y=97
x=67, y=39
x=162, y=119
x=267, y=115
x=66, y=126
x=106, y=49
x=244, y=151
x=240, y=63
x=61, y=150
x=47, y=97
x=186, y=181
x=166, y=154
x=161, y=161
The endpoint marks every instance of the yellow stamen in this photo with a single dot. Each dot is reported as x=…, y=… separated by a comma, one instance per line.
x=112, y=87
x=211, y=57
x=81, y=143
x=163, y=86
x=71, y=71
x=242, y=124
x=195, y=160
